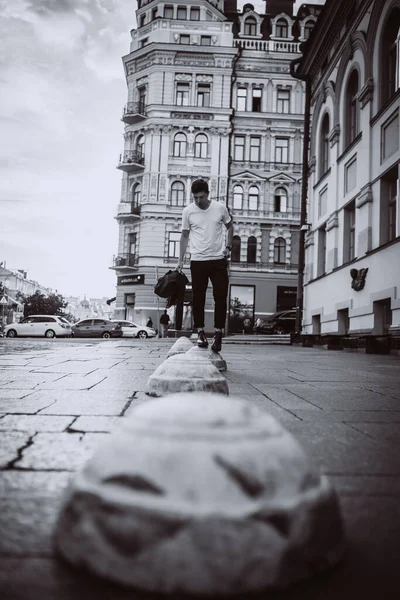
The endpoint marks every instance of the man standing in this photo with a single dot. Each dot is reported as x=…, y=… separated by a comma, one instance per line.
x=164, y=322
x=203, y=224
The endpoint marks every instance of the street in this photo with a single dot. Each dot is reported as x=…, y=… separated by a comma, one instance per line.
x=59, y=399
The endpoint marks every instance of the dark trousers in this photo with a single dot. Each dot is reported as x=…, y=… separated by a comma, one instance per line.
x=202, y=271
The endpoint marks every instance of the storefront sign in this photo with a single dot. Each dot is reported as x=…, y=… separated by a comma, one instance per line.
x=130, y=280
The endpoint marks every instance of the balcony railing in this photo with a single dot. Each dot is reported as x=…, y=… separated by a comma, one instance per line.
x=128, y=210
x=131, y=161
x=263, y=266
x=269, y=45
x=124, y=261
x=134, y=112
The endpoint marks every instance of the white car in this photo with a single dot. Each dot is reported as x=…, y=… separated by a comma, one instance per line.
x=130, y=329
x=48, y=326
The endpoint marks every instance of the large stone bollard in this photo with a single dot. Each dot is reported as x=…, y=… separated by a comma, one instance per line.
x=182, y=345
x=214, y=357
x=209, y=497
x=184, y=373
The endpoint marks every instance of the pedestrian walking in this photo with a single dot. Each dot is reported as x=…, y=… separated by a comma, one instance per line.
x=203, y=224
x=149, y=322
x=164, y=322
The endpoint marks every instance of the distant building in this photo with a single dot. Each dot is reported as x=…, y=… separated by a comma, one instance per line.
x=87, y=308
x=352, y=275
x=16, y=282
x=210, y=95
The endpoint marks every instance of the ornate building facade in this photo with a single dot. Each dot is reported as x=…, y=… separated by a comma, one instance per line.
x=352, y=257
x=210, y=95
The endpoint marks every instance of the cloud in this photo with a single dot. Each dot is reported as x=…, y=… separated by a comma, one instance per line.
x=63, y=89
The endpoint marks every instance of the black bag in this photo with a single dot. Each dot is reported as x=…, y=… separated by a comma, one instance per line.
x=169, y=284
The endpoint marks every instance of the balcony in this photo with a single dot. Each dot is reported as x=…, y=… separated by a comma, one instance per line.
x=131, y=161
x=268, y=45
x=264, y=267
x=128, y=211
x=124, y=262
x=134, y=112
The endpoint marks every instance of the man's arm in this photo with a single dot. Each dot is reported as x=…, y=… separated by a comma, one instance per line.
x=229, y=237
x=182, y=248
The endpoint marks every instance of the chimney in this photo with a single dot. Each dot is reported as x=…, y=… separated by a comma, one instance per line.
x=275, y=7
x=230, y=6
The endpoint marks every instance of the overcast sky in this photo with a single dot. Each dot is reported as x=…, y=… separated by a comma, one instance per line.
x=62, y=94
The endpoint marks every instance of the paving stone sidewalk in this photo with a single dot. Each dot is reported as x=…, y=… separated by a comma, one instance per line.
x=60, y=399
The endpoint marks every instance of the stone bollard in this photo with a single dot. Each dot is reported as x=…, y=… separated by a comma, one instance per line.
x=182, y=344
x=214, y=357
x=184, y=373
x=207, y=495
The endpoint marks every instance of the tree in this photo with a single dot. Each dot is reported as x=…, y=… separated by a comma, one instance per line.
x=39, y=304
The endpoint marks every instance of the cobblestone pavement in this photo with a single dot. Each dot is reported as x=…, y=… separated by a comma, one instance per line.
x=60, y=398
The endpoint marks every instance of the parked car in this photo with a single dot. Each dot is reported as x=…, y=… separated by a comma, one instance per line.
x=280, y=322
x=130, y=329
x=96, y=328
x=49, y=326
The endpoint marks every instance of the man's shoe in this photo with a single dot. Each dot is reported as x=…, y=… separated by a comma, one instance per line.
x=217, y=342
x=202, y=341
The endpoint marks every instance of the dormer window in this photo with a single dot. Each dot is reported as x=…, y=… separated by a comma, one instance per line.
x=282, y=29
x=250, y=26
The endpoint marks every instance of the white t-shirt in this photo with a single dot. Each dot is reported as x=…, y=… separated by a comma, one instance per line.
x=206, y=230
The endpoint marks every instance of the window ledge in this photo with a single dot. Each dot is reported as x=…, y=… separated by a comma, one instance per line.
x=385, y=107
x=321, y=179
x=349, y=147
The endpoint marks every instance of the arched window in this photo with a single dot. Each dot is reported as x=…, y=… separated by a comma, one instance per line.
x=237, y=197
x=177, y=194
x=351, y=117
x=308, y=27
x=251, y=249
x=235, y=254
x=253, y=198
x=280, y=200
x=140, y=145
x=136, y=194
x=250, y=26
x=180, y=145
x=324, y=146
x=200, y=146
x=279, y=250
x=390, y=56
x=282, y=29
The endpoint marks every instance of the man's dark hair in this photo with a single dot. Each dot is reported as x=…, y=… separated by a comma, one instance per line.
x=199, y=186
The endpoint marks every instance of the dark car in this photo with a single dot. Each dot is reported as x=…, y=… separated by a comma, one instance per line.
x=280, y=322
x=96, y=328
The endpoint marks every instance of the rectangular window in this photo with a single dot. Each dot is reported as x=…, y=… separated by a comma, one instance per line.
x=239, y=147
x=390, y=137
x=154, y=13
x=132, y=243
x=184, y=39
x=194, y=14
x=143, y=42
x=349, y=232
x=142, y=98
x=283, y=101
x=203, y=95
x=142, y=20
x=181, y=13
x=256, y=100
x=322, y=202
x=255, y=148
x=241, y=99
x=350, y=175
x=388, y=206
x=168, y=12
x=173, y=244
x=321, y=251
x=281, y=150
x=182, y=94
x=205, y=40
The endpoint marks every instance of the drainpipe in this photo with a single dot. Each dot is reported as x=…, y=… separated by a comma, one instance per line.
x=231, y=119
x=304, y=193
